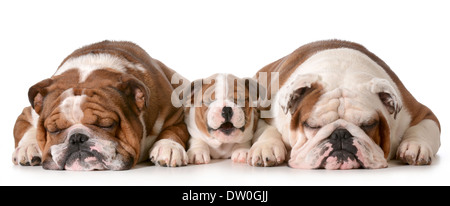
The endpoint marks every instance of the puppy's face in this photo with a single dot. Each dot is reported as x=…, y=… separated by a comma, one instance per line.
x=341, y=128
x=93, y=125
x=223, y=109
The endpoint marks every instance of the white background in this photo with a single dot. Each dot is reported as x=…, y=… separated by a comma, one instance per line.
x=199, y=38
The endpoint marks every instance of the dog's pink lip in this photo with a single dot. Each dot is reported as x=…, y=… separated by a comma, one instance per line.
x=341, y=159
x=77, y=159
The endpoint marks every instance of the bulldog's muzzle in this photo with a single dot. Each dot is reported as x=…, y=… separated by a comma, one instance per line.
x=338, y=145
x=342, y=144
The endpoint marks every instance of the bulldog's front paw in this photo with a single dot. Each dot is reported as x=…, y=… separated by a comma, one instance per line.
x=239, y=155
x=168, y=153
x=414, y=153
x=27, y=154
x=267, y=154
x=198, y=155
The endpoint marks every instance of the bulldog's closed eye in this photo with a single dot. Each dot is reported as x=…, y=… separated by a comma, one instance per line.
x=369, y=125
x=53, y=129
x=106, y=124
x=306, y=125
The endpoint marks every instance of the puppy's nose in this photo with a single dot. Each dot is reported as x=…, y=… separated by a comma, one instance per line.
x=341, y=134
x=78, y=138
x=227, y=113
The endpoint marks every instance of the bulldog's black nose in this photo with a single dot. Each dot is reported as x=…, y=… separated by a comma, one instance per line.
x=341, y=139
x=227, y=113
x=78, y=138
x=340, y=134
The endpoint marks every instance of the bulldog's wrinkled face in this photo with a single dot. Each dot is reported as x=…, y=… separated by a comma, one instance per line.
x=225, y=113
x=343, y=128
x=93, y=125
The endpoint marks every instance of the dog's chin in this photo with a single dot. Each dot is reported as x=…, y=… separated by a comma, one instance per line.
x=342, y=159
x=83, y=161
x=97, y=154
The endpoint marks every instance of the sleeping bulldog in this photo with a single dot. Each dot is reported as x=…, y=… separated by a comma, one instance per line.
x=339, y=106
x=105, y=108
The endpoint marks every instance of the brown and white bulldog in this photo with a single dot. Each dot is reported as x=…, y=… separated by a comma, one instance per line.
x=341, y=107
x=104, y=108
x=221, y=118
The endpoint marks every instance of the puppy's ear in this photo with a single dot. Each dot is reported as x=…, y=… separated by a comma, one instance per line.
x=294, y=93
x=136, y=90
x=387, y=94
x=37, y=93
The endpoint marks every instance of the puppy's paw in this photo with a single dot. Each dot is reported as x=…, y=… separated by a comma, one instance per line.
x=414, y=153
x=198, y=155
x=240, y=155
x=266, y=154
x=168, y=153
x=27, y=154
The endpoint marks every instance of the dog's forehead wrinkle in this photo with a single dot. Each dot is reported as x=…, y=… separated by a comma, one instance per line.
x=341, y=103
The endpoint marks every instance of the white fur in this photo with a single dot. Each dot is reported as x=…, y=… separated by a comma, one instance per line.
x=267, y=148
x=420, y=143
x=88, y=63
x=28, y=147
x=168, y=152
x=221, y=87
x=71, y=106
x=35, y=118
x=215, y=118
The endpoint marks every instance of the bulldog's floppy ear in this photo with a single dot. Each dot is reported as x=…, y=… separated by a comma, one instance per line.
x=136, y=90
x=37, y=93
x=387, y=94
x=293, y=94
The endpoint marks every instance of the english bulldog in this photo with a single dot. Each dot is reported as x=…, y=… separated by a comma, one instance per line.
x=105, y=108
x=221, y=118
x=339, y=106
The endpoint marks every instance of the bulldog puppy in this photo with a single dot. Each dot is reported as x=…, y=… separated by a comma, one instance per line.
x=221, y=118
x=102, y=110
x=341, y=107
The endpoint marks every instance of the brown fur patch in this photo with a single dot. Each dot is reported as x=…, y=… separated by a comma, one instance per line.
x=380, y=133
x=304, y=106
